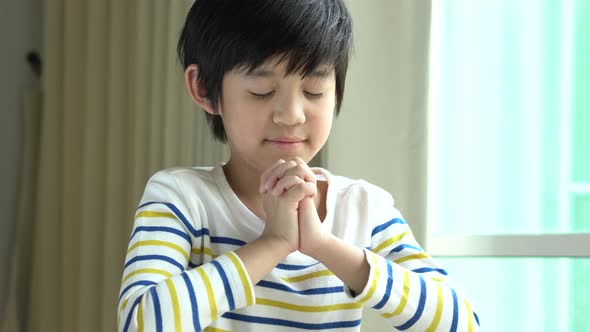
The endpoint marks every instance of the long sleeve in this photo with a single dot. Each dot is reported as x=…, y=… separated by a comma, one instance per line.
x=405, y=284
x=159, y=292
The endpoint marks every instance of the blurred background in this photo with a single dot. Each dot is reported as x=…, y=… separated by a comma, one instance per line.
x=475, y=115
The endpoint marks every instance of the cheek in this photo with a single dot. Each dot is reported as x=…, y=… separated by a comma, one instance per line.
x=244, y=126
x=326, y=112
x=322, y=124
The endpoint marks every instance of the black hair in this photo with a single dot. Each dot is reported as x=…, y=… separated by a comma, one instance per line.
x=222, y=35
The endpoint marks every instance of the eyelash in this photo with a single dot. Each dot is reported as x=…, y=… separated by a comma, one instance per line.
x=314, y=95
x=264, y=96
x=270, y=94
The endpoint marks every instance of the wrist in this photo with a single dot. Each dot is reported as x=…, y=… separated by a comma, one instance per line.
x=275, y=244
x=321, y=250
x=261, y=256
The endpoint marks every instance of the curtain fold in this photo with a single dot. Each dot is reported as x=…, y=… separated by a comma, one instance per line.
x=14, y=315
x=115, y=111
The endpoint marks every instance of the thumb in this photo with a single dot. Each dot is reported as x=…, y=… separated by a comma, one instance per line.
x=307, y=209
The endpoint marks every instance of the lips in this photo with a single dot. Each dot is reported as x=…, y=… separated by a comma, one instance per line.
x=286, y=143
x=286, y=140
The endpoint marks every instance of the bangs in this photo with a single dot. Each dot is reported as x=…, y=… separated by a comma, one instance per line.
x=314, y=34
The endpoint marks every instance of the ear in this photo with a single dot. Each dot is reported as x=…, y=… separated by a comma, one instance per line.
x=196, y=89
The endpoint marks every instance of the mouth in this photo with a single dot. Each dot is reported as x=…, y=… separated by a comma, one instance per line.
x=286, y=143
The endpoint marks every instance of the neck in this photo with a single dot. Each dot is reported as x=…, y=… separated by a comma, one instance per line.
x=243, y=179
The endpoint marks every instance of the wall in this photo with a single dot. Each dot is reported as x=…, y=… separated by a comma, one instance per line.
x=380, y=135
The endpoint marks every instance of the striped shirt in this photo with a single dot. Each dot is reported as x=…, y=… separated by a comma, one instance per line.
x=181, y=272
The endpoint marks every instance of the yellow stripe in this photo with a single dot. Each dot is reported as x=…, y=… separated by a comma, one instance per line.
x=154, y=214
x=214, y=329
x=439, y=308
x=159, y=243
x=175, y=306
x=410, y=257
x=470, y=315
x=140, y=317
x=207, y=251
x=210, y=294
x=124, y=304
x=404, y=299
x=375, y=279
x=438, y=279
x=389, y=242
x=243, y=278
x=322, y=273
x=121, y=311
x=305, y=308
x=155, y=271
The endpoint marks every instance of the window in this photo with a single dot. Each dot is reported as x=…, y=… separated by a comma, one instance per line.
x=509, y=158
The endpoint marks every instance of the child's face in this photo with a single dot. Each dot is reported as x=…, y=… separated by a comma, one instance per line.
x=269, y=116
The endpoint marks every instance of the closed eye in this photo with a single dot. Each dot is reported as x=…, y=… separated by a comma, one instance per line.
x=262, y=95
x=313, y=95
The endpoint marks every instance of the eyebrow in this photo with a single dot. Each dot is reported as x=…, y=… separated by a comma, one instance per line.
x=263, y=73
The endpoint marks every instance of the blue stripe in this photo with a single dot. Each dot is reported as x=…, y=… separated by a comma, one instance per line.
x=387, y=288
x=193, y=298
x=201, y=232
x=420, y=309
x=405, y=246
x=126, y=327
x=157, y=311
x=293, y=267
x=429, y=269
x=137, y=283
x=455, y=312
x=384, y=226
x=192, y=265
x=228, y=292
x=476, y=318
x=155, y=257
x=227, y=240
x=289, y=323
x=161, y=229
x=178, y=214
x=311, y=291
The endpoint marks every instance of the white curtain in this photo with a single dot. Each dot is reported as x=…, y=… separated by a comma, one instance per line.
x=115, y=111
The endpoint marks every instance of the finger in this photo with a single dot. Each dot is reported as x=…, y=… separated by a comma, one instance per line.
x=300, y=161
x=267, y=172
x=285, y=183
x=276, y=174
x=307, y=209
x=312, y=177
x=303, y=171
x=300, y=191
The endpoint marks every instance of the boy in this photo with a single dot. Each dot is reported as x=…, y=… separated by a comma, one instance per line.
x=264, y=242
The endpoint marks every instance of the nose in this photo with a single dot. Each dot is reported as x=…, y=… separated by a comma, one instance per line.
x=289, y=110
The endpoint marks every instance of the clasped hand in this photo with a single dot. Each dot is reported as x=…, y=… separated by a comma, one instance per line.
x=288, y=189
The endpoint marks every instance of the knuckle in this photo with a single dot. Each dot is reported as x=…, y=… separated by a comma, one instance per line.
x=297, y=179
x=300, y=168
x=291, y=179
